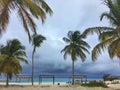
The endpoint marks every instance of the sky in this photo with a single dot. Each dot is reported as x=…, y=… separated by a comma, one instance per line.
x=68, y=15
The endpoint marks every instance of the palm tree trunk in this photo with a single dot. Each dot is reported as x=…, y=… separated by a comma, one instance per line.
x=33, y=66
x=73, y=72
x=7, y=81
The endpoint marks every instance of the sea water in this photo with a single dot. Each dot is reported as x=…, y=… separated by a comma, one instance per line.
x=49, y=80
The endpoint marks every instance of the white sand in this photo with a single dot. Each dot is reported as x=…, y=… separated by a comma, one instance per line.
x=114, y=84
x=50, y=86
x=55, y=87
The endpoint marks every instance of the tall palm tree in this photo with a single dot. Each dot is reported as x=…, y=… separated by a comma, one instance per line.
x=76, y=47
x=26, y=10
x=10, y=57
x=109, y=37
x=37, y=40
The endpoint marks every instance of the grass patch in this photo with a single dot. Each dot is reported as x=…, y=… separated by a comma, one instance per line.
x=95, y=84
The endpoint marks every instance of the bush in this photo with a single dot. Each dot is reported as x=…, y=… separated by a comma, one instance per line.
x=95, y=84
x=107, y=77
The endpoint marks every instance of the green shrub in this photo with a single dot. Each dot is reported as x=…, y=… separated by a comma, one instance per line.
x=95, y=84
x=107, y=77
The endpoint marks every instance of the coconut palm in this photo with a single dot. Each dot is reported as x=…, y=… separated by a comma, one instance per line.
x=37, y=40
x=76, y=47
x=26, y=10
x=109, y=37
x=10, y=57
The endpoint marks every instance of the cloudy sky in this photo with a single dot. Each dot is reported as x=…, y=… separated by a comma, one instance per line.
x=68, y=15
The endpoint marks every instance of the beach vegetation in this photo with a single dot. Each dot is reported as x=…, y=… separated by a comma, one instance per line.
x=95, y=83
x=109, y=37
x=76, y=47
x=108, y=77
x=11, y=55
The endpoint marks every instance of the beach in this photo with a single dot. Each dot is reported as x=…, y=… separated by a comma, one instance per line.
x=52, y=88
x=48, y=86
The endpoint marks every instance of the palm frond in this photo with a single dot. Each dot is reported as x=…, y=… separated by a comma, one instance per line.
x=24, y=23
x=117, y=2
x=69, y=35
x=66, y=50
x=4, y=19
x=65, y=55
x=114, y=7
x=97, y=30
x=83, y=43
x=66, y=40
x=37, y=40
x=112, y=49
x=84, y=49
x=82, y=55
x=110, y=18
x=106, y=35
x=20, y=53
x=118, y=51
x=22, y=59
x=35, y=10
x=73, y=54
x=29, y=20
x=43, y=5
x=101, y=46
x=108, y=3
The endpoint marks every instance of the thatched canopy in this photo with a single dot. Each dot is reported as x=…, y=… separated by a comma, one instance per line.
x=23, y=76
x=79, y=76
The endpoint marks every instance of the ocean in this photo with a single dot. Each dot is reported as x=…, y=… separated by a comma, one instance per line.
x=50, y=80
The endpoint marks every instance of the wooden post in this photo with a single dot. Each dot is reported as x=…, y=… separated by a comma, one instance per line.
x=86, y=80
x=53, y=80
x=39, y=80
x=16, y=78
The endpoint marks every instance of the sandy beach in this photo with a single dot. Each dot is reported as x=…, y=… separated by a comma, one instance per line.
x=46, y=86
x=52, y=88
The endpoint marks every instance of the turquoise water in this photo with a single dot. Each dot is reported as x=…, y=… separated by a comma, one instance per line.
x=50, y=80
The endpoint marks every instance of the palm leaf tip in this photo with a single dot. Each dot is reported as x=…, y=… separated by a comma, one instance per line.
x=26, y=61
x=94, y=57
x=46, y=7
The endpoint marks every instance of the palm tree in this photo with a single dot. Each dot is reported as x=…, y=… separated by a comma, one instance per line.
x=26, y=10
x=10, y=57
x=109, y=37
x=36, y=42
x=76, y=47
